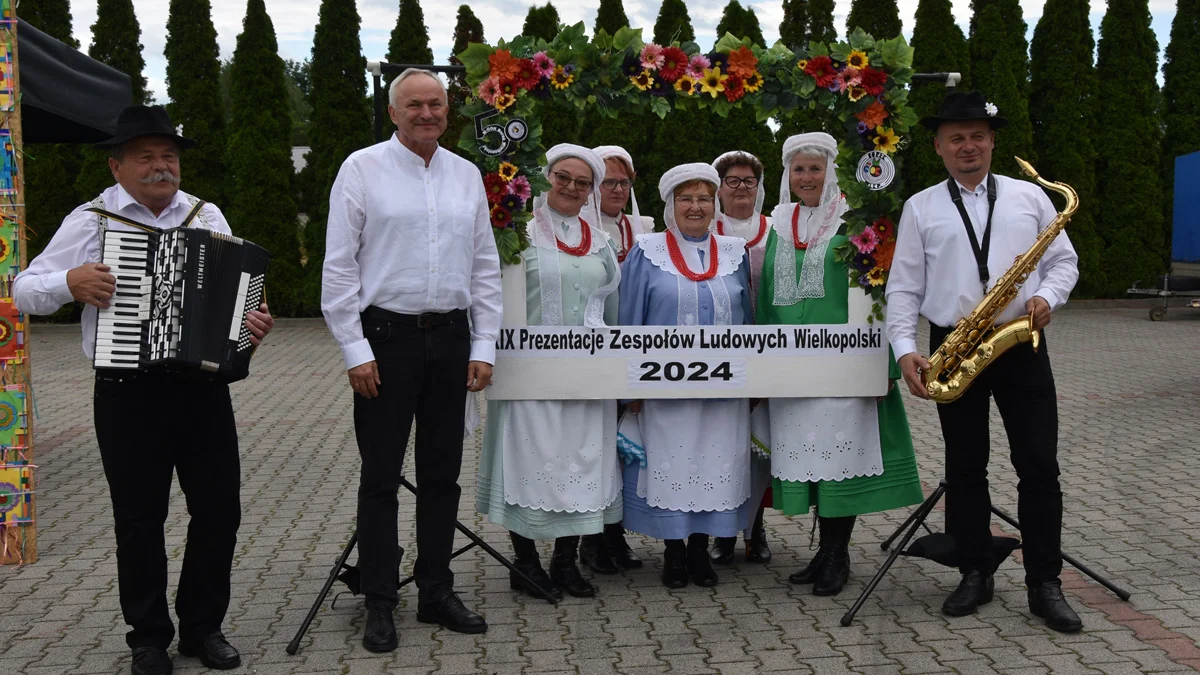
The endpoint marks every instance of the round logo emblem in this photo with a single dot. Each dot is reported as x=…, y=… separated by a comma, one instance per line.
x=516, y=130
x=876, y=169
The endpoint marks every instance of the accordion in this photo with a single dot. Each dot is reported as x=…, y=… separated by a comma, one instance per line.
x=181, y=301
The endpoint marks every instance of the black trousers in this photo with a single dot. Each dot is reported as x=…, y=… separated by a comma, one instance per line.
x=1022, y=385
x=423, y=374
x=149, y=425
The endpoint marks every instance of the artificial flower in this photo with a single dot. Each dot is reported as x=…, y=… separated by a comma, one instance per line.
x=643, y=80
x=659, y=87
x=500, y=217
x=652, y=57
x=674, y=65
x=865, y=241
x=507, y=171
x=505, y=101
x=877, y=276
x=873, y=115
x=631, y=66
x=863, y=281
x=802, y=64
x=495, y=187
x=569, y=68
x=544, y=64
x=862, y=262
x=713, y=82
x=847, y=77
x=885, y=140
x=734, y=88
x=511, y=202
x=519, y=186
x=742, y=62
x=872, y=80
x=503, y=64
x=507, y=86
x=686, y=85
x=991, y=109
x=528, y=75
x=561, y=80
x=883, y=254
x=884, y=228
x=488, y=90
x=697, y=65
x=822, y=70
x=857, y=59
x=856, y=92
x=753, y=83
x=542, y=89
x=718, y=60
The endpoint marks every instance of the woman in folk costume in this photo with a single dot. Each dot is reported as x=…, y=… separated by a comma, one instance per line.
x=695, y=480
x=547, y=468
x=741, y=198
x=845, y=456
x=616, y=192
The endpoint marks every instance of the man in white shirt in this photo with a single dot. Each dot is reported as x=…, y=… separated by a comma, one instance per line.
x=945, y=257
x=409, y=256
x=152, y=423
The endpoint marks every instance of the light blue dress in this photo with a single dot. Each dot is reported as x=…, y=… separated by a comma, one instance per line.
x=711, y=436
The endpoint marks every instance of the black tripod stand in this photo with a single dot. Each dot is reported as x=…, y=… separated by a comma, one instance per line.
x=1004, y=546
x=350, y=576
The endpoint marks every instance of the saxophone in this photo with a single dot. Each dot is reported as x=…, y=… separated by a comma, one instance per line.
x=976, y=341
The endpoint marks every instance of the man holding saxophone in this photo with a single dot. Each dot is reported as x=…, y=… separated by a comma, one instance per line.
x=955, y=242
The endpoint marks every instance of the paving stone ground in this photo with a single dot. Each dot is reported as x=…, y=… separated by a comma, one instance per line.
x=1130, y=452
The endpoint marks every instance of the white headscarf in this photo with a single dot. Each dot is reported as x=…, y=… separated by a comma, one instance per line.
x=811, y=284
x=762, y=188
x=616, y=151
x=544, y=241
x=687, y=304
x=680, y=175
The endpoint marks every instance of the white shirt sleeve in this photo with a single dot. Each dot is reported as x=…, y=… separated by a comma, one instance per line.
x=340, y=280
x=906, y=284
x=487, y=301
x=1059, y=267
x=42, y=287
x=216, y=219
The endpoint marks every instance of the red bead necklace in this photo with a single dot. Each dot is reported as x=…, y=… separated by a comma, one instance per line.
x=681, y=264
x=585, y=241
x=762, y=231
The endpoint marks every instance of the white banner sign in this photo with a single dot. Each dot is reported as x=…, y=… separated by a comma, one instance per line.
x=633, y=362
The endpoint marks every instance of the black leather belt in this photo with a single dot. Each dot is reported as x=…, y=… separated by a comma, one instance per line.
x=425, y=320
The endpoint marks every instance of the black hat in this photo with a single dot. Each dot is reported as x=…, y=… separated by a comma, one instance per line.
x=145, y=120
x=963, y=107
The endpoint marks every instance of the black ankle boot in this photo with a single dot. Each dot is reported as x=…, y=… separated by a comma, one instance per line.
x=618, y=548
x=836, y=570
x=528, y=562
x=809, y=574
x=699, y=567
x=593, y=552
x=565, y=572
x=722, y=550
x=675, y=573
x=757, y=550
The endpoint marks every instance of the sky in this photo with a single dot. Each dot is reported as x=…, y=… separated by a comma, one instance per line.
x=295, y=19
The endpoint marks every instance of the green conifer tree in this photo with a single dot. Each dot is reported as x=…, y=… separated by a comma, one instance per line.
x=1129, y=167
x=820, y=29
x=1015, y=27
x=410, y=38
x=1062, y=110
x=793, y=30
x=673, y=24
x=194, y=87
x=1181, y=99
x=467, y=29
x=938, y=46
x=879, y=18
x=261, y=207
x=541, y=22
x=991, y=73
x=115, y=41
x=341, y=121
x=611, y=16
x=633, y=135
x=820, y=21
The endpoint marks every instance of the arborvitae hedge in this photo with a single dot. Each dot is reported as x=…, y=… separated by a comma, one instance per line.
x=194, y=87
x=410, y=38
x=467, y=29
x=1181, y=98
x=880, y=18
x=992, y=61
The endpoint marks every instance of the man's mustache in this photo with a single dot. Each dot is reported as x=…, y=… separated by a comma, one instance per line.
x=159, y=177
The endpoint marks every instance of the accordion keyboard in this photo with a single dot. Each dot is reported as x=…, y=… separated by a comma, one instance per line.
x=119, y=327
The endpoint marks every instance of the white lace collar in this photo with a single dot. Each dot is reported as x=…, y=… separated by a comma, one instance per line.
x=730, y=251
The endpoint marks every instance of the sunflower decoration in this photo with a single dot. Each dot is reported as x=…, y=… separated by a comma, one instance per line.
x=857, y=59
x=876, y=276
x=802, y=64
x=753, y=83
x=685, y=85
x=643, y=80
x=856, y=92
x=886, y=140
x=505, y=101
x=507, y=171
x=713, y=82
x=561, y=79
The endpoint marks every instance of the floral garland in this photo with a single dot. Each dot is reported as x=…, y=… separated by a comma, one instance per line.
x=862, y=81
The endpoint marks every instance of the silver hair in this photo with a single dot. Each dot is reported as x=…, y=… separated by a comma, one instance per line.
x=409, y=72
x=811, y=151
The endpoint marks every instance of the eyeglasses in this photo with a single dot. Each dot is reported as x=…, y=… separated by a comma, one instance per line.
x=564, y=180
x=736, y=182
x=690, y=201
x=613, y=184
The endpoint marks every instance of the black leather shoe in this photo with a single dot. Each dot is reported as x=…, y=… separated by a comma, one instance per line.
x=699, y=567
x=1046, y=600
x=832, y=577
x=214, y=651
x=446, y=609
x=809, y=574
x=151, y=661
x=566, y=574
x=675, y=572
x=618, y=549
x=757, y=550
x=593, y=551
x=722, y=550
x=533, y=570
x=974, y=590
x=380, y=633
